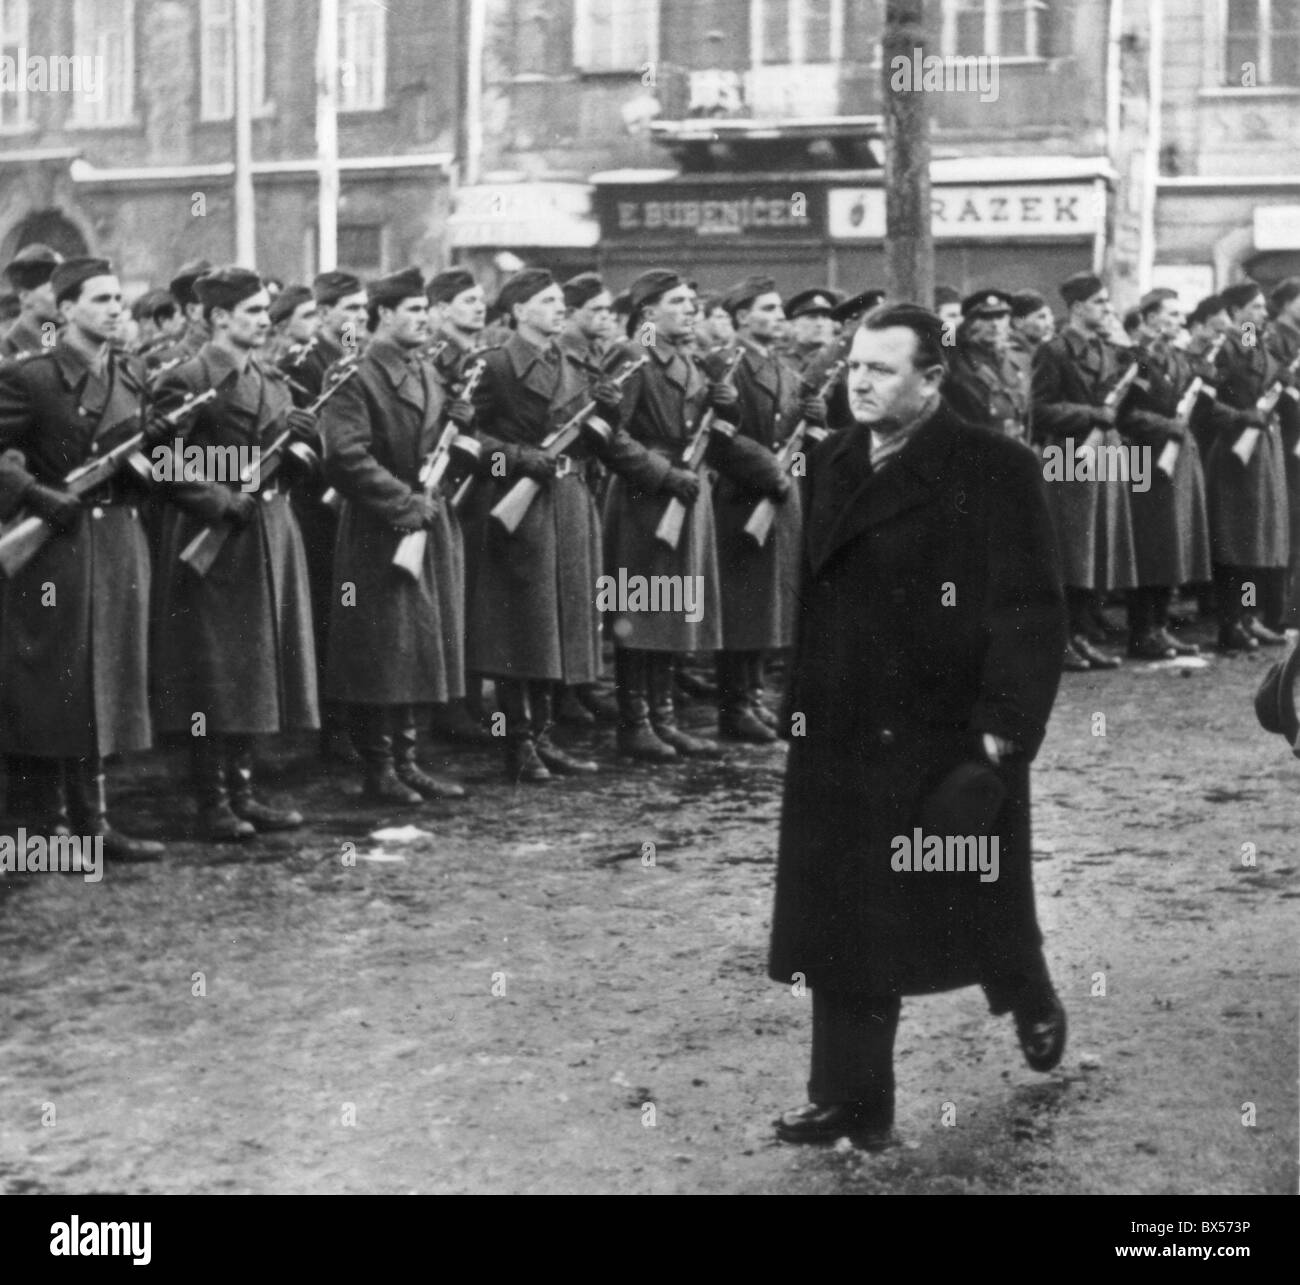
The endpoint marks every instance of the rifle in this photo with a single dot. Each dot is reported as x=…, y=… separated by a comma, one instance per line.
x=761, y=519
x=669, y=530
x=1266, y=405
x=511, y=509
x=1187, y=404
x=410, y=548
x=202, y=551
x=1113, y=398
x=23, y=537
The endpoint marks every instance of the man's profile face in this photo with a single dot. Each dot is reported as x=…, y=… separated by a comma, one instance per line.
x=303, y=322
x=97, y=309
x=1095, y=314
x=345, y=316
x=544, y=311
x=595, y=319
x=408, y=323
x=40, y=302
x=883, y=383
x=467, y=311
x=249, y=322
x=1167, y=323
x=673, y=313
x=1254, y=312
x=763, y=318
x=1038, y=326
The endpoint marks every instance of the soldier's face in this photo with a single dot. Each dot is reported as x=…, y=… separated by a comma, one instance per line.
x=345, y=319
x=990, y=331
x=1038, y=326
x=883, y=383
x=248, y=323
x=97, y=311
x=544, y=312
x=408, y=323
x=304, y=323
x=718, y=327
x=595, y=319
x=1095, y=314
x=673, y=314
x=764, y=317
x=1254, y=313
x=1168, y=322
x=40, y=302
x=950, y=314
x=468, y=310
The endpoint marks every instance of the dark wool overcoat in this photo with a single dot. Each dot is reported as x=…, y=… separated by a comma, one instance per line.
x=1071, y=377
x=1249, y=512
x=393, y=640
x=74, y=646
x=1171, y=526
x=758, y=585
x=236, y=644
x=890, y=689
x=1283, y=344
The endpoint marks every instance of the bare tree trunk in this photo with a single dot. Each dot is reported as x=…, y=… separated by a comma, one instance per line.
x=909, y=244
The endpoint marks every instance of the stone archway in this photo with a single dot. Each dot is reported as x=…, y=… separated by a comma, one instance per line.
x=49, y=227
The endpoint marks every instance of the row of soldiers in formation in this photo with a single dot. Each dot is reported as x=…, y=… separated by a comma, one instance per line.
x=382, y=584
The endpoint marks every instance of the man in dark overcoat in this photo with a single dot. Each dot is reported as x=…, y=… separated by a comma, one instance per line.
x=74, y=649
x=661, y=407
x=1171, y=532
x=235, y=653
x=38, y=318
x=757, y=585
x=533, y=619
x=929, y=648
x=1073, y=374
x=1282, y=610
x=396, y=641
x=984, y=386
x=1249, y=515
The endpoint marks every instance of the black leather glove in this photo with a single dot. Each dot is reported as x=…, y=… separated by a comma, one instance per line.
x=461, y=413
x=813, y=409
x=59, y=508
x=682, y=485
x=607, y=396
x=158, y=432
x=722, y=394
x=302, y=422
x=241, y=509
x=534, y=463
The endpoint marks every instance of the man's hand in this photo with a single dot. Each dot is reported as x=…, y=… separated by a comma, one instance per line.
x=682, y=485
x=420, y=516
x=58, y=508
x=535, y=463
x=302, y=422
x=997, y=748
x=813, y=410
x=722, y=394
x=608, y=397
x=461, y=413
x=241, y=510
x=157, y=431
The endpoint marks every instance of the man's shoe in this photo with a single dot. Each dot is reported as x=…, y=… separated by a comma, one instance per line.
x=693, y=687
x=218, y=824
x=336, y=747
x=1074, y=663
x=564, y=764
x=1096, y=658
x=695, y=747
x=1040, y=1027
x=1269, y=637
x=453, y=722
x=640, y=742
x=1235, y=638
x=853, y=1120
x=426, y=785
x=1150, y=647
x=383, y=786
x=523, y=764
x=572, y=710
x=603, y=707
x=740, y=723
x=122, y=847
x=262, y=817
x=1178, y=648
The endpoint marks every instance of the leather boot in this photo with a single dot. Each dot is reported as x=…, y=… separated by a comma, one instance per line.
x=737, y=721
x=454, y=722
x=239, y=777
x=636, y=738
x=217, y=823
x=406, y=766
x=602, y=707
x=571, y=709
x=755, y=663
x=522, y=761
x=47, y=797
x=541, y=701
x=374, y=739
x=89, y=799
x=663, y=713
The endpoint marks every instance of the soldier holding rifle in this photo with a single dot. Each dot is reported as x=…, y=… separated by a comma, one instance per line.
x=396, y=640
x=73, y=656
x=662, y=406
x=235, y=656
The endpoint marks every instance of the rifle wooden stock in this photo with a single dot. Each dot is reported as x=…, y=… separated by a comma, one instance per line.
x=513, y=507
x=1183, y=412
x=760, y=521
x=24, y=536
x=1244, y=449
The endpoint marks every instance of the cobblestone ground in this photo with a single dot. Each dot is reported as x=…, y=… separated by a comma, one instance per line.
x=350, y=1041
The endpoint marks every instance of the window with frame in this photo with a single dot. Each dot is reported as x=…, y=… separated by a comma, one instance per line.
x=361, y=247
x=1006, y=28
x=615, y=35
x=362, y=55
x=217, y=58
x=795, y=32
x=1261, y=42
x=104, y=31
x=14, y=25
